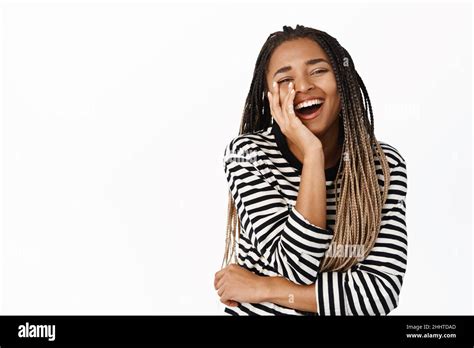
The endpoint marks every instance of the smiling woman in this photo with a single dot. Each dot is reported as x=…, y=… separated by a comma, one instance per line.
x=316, y=219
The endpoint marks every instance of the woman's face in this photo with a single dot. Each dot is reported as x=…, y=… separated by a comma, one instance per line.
x=303, y=62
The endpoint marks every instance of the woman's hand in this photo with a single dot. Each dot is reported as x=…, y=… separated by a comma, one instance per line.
x=236, y=284
x=290, y=125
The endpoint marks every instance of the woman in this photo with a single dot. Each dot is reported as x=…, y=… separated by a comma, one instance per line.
x=304, y=247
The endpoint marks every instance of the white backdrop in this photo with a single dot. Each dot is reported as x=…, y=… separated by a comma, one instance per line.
x=116, y=115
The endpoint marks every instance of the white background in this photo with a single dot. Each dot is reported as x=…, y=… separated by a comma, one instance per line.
x=116, y=115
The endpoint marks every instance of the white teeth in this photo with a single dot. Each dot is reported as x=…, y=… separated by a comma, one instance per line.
x=309, y=103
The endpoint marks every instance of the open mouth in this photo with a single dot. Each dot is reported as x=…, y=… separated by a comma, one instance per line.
x=309, y=109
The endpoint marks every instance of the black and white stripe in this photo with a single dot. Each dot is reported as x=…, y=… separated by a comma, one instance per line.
x=276, y=239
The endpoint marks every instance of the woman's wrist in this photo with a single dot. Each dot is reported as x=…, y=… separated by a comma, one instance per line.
x=263, y=288
x=269, y=287
x=285, y=293
x=315, y=156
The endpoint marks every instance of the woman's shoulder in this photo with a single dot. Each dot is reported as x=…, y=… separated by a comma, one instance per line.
x=393, y=155
x=244, y=144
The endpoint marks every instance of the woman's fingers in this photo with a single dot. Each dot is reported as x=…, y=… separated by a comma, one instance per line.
x=274, y=101
x=217, y=277
x=270, y=102
x=219, y=282
x=219, y=286
x=227, y=300
x=215, y=281
x=288, y=103
x=231, y=303
x=223, y=295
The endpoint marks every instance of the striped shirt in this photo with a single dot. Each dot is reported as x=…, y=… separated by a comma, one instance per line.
x=276, y=240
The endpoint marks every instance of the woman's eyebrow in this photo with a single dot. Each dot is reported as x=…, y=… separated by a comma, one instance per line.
x=308, y=62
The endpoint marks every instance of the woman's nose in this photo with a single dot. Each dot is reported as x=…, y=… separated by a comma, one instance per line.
x=303, y=85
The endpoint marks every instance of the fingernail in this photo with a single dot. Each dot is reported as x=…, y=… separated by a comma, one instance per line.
x=268, y=95
x=290, y=85
x=274, y=84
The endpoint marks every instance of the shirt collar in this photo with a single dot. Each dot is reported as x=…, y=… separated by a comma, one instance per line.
x=282, y=144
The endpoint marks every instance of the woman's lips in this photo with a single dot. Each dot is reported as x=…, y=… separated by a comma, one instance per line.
x=310, y=116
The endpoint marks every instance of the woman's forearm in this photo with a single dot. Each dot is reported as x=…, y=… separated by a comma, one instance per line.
x=288, y=294
x=311, y=200
x=311, y=203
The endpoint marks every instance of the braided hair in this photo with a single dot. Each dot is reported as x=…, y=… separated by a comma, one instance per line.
x=360, y=201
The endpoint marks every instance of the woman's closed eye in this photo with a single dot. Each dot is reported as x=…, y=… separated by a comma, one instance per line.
x=319, y=71
x=315, y=72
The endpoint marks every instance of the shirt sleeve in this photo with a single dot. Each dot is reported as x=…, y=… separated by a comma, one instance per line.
x=372, y=287
x=287, y=241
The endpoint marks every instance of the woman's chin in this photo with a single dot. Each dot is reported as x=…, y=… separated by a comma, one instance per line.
x=314, y=125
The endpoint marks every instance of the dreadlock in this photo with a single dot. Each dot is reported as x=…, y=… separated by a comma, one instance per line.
x=360, y=200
